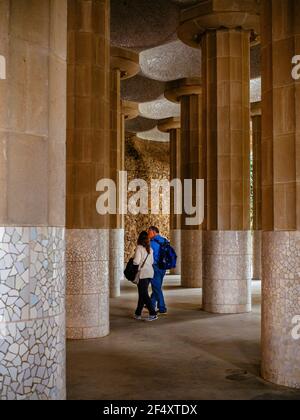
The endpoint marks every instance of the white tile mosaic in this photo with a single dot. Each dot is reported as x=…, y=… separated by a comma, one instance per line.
x=87, y=267
x=116, y=260
x=32, y=319
x=281, y=303
x=227, y=271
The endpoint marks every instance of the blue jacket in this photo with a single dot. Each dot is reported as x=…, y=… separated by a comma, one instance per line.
x=155, y=245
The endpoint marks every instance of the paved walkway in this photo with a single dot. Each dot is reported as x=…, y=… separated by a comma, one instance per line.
x=187, y=355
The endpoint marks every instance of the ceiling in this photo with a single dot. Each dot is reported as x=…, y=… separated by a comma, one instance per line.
x=150, y=28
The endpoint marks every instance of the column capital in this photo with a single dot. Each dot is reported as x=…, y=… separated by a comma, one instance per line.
x=130, y=110
x=255, y=109
x=126, y=61
x=169, y=124
x=183, y=87
x=216, y=14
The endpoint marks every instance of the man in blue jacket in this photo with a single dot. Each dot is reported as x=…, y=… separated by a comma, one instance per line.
x=157, y=297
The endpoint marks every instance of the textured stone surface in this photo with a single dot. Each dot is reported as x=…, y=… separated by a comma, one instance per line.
x=32, y=313
x=281, y=303
x=191, y=258
x=87, y=265
x=175, y=238
x=116, y=261
x=227, y=274
x=146, y=160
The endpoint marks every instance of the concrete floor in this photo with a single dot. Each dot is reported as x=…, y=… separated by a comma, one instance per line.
x=188, y=355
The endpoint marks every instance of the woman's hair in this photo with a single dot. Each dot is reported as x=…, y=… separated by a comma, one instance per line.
x=144, y=241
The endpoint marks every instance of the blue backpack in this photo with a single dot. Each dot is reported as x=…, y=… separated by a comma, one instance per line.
x=167, y=259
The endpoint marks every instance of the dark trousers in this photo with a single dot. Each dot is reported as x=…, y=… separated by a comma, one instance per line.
x=144, y=298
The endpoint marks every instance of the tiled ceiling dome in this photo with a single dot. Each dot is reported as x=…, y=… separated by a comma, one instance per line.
x=171, y=62
x=143, y=24
x=142, y=89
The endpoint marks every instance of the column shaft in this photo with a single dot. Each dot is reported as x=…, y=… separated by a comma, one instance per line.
x=175, y=219
x=88, y=161
x=33, y=38
x=257, y=197
x=280, y=193
x=117, y=233
x=191, y=168
x=226, y=116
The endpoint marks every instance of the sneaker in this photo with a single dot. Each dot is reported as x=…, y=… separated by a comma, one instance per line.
x=163, y=313
x=151, y=318
x=138, y=318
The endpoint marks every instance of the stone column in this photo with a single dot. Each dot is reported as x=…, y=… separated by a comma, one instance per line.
x=88, y=161
x=227, y=250
x=33, y=39
x=188, y=93
x=257, y=198
x=124, y=65
x=280, y=192
x=172, y=126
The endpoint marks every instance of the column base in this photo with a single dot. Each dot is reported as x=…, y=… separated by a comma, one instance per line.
x=87, y=255
x=227, y=272
x=32, y=313
x=281, y=308
x=116, y=261
x=191, y=259
x=175, y=236
x=257, y=251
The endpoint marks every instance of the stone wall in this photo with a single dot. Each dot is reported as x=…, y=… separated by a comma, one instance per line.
x=145, y=160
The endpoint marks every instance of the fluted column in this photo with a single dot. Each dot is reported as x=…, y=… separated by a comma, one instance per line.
x=280, y=192
x=257, y=198
x=227, y=249
x=223, y=30
x=124, y=65
x=88, y=161
x=188, y=93
x=172, y=126
x=33, y=39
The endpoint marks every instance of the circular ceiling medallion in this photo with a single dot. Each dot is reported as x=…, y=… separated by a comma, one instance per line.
x=171, y=62
x=160, y=109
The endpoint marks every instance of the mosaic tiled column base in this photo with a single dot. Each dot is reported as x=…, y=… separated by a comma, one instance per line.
x=227, y=272
x=175, y=237
x=191, y=259
x=116, y=261
x=257, y=251
x=281, y=304
x=87, y=265
x=32, y=313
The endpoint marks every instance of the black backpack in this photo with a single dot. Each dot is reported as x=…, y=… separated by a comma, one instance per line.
x=131, y=270
x=167, y=259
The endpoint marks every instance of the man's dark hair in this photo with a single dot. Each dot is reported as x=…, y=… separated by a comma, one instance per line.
x=154, y=229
